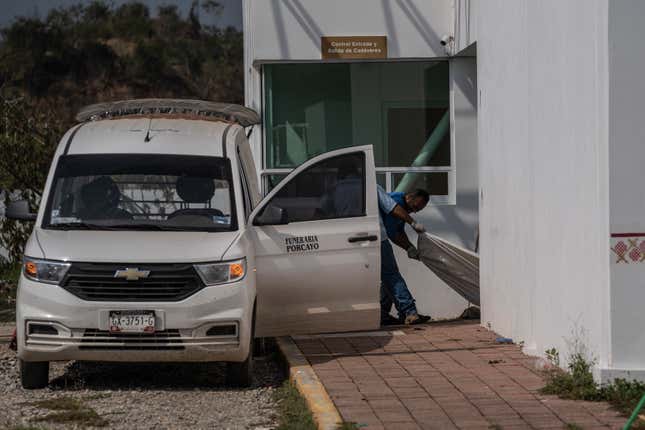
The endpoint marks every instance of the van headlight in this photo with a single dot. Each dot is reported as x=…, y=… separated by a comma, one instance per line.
x=50, y=272
x=221, y=273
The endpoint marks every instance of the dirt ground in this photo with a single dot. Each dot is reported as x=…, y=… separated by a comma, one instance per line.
x=141, y=396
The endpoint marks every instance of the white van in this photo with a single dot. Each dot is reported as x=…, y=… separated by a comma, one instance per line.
x=152, y=243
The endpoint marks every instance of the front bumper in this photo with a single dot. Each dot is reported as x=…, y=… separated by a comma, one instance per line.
x=79, y=328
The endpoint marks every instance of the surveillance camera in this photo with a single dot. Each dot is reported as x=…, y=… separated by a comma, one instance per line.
x=445, y=39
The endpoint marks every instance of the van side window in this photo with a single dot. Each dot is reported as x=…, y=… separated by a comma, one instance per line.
x=333, y=188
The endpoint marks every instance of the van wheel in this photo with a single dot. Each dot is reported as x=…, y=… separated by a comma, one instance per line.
x=34, y=374
x=241, y=374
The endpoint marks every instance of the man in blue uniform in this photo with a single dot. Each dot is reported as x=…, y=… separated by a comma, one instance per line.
x=395, y=209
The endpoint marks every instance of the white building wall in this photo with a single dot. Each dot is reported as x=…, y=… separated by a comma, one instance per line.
x=627, y=194
x=543, y=147
x=465, y=34
x=290, y=31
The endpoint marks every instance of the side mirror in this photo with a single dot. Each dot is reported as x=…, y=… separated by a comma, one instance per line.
x=19, y=210
x=272, y=215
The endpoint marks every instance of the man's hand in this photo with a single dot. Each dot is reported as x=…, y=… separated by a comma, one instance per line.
x=413, y=252
x=418, y=227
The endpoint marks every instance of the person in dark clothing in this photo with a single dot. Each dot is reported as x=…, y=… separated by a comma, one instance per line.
x=395, y=209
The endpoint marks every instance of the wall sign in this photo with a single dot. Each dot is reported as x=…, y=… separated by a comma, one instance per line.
x=353, y=47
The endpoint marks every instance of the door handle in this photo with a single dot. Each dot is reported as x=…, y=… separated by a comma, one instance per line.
x=370, y=238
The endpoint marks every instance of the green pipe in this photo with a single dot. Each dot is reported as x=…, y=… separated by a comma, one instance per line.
x=427, y=151
x=631, y=420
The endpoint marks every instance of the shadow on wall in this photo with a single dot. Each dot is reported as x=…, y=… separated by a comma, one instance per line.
x=314, y=32
x=282, y=35
x=455, y=223
x=419, y=22
x=468, y=86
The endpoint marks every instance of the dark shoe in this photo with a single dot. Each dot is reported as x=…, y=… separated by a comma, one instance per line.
x=413, y=319
x=390, y=320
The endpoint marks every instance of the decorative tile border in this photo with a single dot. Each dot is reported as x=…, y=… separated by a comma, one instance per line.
x=628, y=248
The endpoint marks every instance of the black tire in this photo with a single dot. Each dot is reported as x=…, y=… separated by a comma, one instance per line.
x=240, y=374
x=34, y=374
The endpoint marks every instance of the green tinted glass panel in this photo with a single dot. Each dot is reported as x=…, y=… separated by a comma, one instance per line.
x=435, y=183
x=273, y=180
x=399, y=108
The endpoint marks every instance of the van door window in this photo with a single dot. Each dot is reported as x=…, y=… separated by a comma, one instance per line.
x=333, y=188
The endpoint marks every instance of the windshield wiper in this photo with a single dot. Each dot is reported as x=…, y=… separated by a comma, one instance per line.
x=79, y=226
x=161, y=227
x=149, y=227
x=145, y=227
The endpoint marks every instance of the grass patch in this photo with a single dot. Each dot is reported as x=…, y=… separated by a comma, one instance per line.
x=21, y=427
x=83, y=417
x=69, y=410
x=348, y=426
x=578, y=384
x=293, y=411
x=98, y=396
x=58, y=404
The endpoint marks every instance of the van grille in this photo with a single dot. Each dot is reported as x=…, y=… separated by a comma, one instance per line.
x=165, y=283
x=161, y=340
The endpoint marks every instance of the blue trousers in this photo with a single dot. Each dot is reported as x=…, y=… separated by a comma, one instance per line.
x=394, y=290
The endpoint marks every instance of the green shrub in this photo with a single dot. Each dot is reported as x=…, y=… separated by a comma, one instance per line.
x=623, y=394
x=578, y=384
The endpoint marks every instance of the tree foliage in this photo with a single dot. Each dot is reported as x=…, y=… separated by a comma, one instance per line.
x=98, y=52
x=88, y=53
x=29, y=133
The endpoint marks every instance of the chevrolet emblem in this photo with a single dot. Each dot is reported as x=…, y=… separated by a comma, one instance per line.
x=131, y=274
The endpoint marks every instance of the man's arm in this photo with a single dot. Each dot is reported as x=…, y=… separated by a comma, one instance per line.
x=402, y=214
x=389, y=206
x=401, y=239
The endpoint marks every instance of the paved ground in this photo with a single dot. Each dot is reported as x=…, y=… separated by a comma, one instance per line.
x=442, y=376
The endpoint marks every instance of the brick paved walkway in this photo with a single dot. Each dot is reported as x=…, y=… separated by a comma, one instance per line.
x=441, y=376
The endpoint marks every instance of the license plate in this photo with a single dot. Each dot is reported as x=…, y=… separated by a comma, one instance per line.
x=132, y=321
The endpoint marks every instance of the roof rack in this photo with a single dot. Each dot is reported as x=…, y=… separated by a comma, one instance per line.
x=208, y=110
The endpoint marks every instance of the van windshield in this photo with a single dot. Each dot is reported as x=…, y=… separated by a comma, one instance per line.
x=141, y=192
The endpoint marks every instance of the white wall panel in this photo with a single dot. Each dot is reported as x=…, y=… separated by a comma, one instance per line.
x=542, y=75
x=466, y=12
x=291, y=29
x=627, y=193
